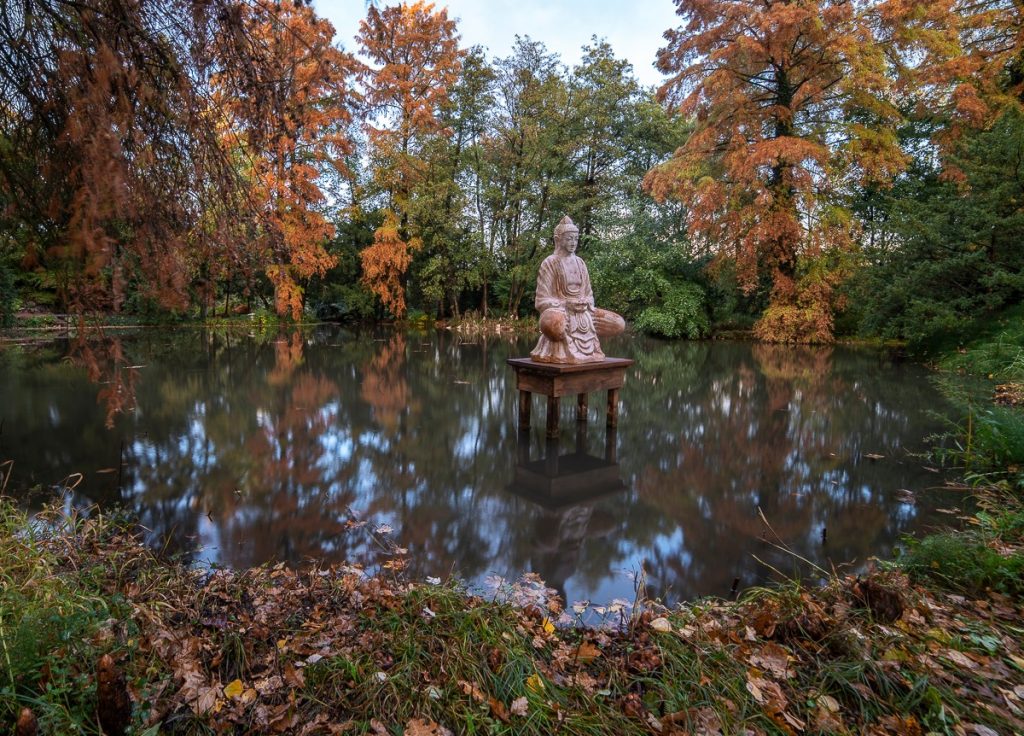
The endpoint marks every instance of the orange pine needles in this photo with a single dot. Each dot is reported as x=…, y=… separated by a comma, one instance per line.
x=285, y=87
x=415, y=48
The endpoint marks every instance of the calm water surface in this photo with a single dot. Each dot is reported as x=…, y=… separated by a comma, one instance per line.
x=240, y=449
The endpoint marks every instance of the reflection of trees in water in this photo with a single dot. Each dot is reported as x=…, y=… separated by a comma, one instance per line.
x=384, y=386
x=261, y=445
x=781, y=430
x=104, y=362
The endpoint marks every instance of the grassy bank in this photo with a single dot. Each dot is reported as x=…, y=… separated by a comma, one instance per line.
x=330, y=651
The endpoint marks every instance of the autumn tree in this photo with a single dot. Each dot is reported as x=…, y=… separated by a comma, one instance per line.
x=791, y=102
x=111, y=165
x=416, y=60
x=285, y=90
x=961, y=62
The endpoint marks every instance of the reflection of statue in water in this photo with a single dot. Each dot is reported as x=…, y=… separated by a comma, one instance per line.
x=570, y=325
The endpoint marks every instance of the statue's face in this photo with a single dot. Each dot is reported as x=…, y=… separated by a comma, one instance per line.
x=567, y=240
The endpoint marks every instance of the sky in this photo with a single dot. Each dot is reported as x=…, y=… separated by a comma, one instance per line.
x=633, y=28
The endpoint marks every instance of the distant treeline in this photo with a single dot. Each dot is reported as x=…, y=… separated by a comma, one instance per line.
x=808, y=169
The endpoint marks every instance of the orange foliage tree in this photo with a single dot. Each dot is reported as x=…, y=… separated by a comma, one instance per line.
x=962, y=61
x=792, y=102
x=284, y=89
x=417, y=57
x=110, y=165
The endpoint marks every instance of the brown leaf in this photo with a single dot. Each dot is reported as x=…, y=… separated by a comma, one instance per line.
x=293, y=675
x=586, y=652
x=632, y=706
x=473, y=690
x=27, y=724
x=959, y=659
x=498, y=709
x=773, y=659
x=421, y=727
x=767, y=693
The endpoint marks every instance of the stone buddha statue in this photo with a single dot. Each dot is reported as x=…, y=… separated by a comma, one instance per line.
x=570, y=325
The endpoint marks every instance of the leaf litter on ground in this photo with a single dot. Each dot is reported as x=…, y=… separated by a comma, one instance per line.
x=326, y=651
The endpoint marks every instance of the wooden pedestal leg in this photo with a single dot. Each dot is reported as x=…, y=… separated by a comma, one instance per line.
x=553, y=403
x=524, y=409
x=613, y=407
x=581, y=408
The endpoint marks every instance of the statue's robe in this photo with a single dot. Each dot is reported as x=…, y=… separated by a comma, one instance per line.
x=563, y=285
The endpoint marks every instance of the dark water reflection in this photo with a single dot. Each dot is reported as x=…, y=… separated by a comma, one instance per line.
x=241, y=449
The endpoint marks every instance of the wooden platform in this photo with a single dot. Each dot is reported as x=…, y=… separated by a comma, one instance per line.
x=555, y=380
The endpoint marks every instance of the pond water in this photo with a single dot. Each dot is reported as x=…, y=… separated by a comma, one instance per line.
x=328, y=446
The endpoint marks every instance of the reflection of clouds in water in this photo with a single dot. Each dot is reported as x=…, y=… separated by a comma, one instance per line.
x=264, y=449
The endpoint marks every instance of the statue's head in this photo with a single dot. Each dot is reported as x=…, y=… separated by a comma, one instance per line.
x=566, y=235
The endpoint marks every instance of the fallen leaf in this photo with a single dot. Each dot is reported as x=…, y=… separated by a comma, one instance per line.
x=767, y=693
x=587, y=652
x=519, y=706
x=773, y=659
x=234, y=689
x=535, y=683
x=549, y=628
x=206, y=701
x=661, y=624
x=498, y=709
x=793, y=721
x=421, y=727
x=474, y=690
x=959, y=659
x=830, y=703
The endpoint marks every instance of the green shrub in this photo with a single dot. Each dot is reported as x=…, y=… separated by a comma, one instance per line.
x=965, y=562
x=681, y=314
